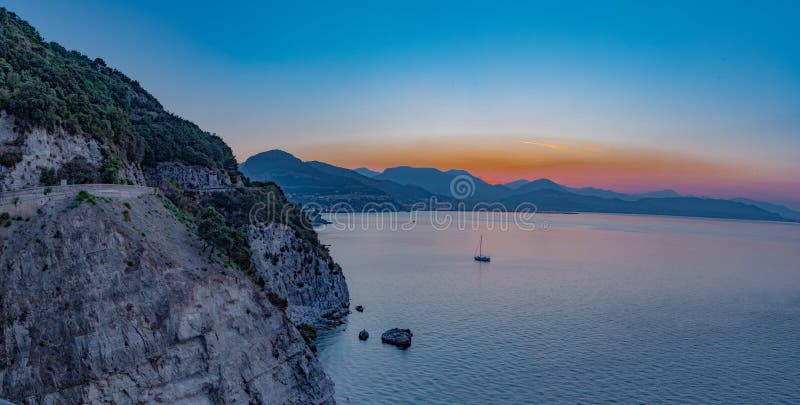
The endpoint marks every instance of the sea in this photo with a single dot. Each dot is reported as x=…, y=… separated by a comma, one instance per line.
x=586, y=308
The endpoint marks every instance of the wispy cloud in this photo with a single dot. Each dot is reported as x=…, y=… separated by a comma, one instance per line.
x=554, y=146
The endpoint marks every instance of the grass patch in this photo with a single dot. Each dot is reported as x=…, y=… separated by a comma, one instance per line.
x=82, y=196
x=182, y=216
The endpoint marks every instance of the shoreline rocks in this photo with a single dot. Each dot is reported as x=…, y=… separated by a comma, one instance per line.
x=363, y=335
x=397, y=337
x=359, y=308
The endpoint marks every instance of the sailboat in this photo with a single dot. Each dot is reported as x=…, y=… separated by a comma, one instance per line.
x=480, y=257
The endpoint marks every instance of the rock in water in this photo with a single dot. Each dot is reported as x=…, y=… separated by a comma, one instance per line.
x=359, y=308
x=398, y=337
x=363, y=335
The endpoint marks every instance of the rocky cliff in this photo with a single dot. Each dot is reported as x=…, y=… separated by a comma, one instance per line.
x=313, y=284
x=27, y=155
x=188, y=177
x=139, y=298
x=119, y=302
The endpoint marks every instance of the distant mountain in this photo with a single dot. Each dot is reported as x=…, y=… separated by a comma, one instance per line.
x=305, y=183
x=327, y=184
x=366, y=172
x=405, y=194
x=659, y=194
x=523, y=186
x=540, y=184
x=439, y=182
x=549, y=200
x=785, y=212
x=405, y=186
x=513, y=185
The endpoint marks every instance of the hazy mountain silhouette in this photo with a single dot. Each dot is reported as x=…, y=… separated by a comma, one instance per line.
x=438, y=182
x=302, y=181
x=327, y=184
x=404, y=193
x=404, y=185
x=551, y=200
x=516, y=183
x=366, y=172
x=785, y=212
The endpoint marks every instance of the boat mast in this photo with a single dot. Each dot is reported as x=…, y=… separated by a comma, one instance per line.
x=480, y=247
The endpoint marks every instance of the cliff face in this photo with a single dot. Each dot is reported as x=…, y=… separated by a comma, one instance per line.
x=188, y=177
x=120, y=301
x=28, y=154
x=313, y=285
x=102, y=306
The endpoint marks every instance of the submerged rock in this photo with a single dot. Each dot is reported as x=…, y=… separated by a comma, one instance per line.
x=359, y=308
x=398, y=337
x=363, y=335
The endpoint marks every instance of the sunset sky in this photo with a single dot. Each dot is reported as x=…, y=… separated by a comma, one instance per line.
x=624, y=95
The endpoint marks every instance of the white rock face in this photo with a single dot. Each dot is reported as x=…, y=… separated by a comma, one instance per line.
x=313, y=285
x=95, y=308
x=42, y=149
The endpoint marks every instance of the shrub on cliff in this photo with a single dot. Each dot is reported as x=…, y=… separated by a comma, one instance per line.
x=277, y=300
x=230, y=242
x=10, y=158
x=262, y=205
x=78, y=171
x=49, y=177
x=111, y=166
x=309, y=334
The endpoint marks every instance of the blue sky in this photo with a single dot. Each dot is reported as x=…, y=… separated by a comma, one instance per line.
x=717, y=82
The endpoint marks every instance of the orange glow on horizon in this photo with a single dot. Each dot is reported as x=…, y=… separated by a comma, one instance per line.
x=502, y=160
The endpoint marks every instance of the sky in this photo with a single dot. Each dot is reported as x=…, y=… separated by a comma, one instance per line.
x=700, y=98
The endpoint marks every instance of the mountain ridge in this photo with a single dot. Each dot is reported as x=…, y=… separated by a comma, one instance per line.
x=586, y=199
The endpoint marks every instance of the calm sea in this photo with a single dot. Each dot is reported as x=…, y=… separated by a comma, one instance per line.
x=584, y=309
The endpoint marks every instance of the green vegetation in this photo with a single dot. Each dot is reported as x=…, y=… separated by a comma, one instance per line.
x=309, y=333
x=230, y=242
x=5, y=219
x=82, y=196
x=127, y=205
x=10, y=158
x=179, y=213
x=111, y=166
x=221, y=219
x=263, y=205
x=279, y=302
x=78, y=171
x=44, y=85
x=126, y=215
x=49, y=177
